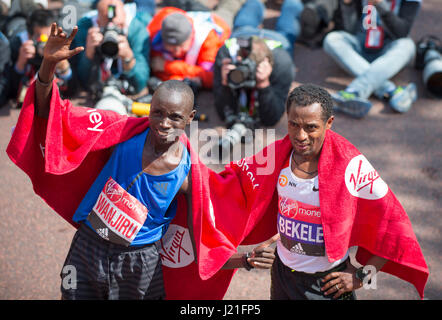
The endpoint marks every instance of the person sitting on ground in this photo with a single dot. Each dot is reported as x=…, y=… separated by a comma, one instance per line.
x=26, y=56
x=184, y=45
x=373, y=47
x=274, y=72
x=130, y=59
x=273, y=75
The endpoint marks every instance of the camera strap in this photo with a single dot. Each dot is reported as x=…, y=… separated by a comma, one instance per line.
x=247, y=101
x=252, y=102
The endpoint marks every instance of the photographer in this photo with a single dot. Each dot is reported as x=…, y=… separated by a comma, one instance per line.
x=274, y=74
x=184, y=44
x=372, y=44
x=26, y=55
x=116, y=43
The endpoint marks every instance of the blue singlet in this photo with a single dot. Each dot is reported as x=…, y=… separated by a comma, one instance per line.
x=155, y=192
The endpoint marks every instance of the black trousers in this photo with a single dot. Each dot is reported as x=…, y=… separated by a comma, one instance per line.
x=98, y=269
x=293, y=285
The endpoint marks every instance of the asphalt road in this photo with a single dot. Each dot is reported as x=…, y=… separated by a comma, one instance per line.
x=405, y=149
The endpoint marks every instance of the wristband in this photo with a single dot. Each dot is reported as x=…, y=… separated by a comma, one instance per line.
x=247, y=265
x=44, y=84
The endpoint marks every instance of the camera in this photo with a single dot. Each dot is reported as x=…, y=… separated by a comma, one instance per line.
x=111, y=98
x=39, y=45
x=243, y=76
x=239, y=125
x=109, y=46
x=429, y=59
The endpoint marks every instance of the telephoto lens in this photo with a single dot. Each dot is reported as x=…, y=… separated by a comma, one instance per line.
x=112, y=99
x=109, y=47
x=432, y=74
x=429, y=60
x=230, y=139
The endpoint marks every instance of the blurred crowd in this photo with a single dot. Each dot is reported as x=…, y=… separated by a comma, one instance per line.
x=132, y=46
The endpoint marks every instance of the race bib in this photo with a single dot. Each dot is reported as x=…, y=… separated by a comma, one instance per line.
x=374, y=38
x=300, y=227
x=117, y=216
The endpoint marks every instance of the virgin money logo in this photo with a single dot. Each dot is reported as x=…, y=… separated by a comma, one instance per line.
x=363, y=181
x=176, y=247
x=288, y=207
x=112, y=191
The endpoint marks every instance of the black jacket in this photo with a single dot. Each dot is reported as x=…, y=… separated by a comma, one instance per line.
x=271, y=100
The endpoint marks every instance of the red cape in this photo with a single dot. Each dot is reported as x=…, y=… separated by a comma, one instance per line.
x=357, y=207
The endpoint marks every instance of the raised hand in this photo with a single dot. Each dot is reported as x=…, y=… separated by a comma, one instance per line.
x=57, y=47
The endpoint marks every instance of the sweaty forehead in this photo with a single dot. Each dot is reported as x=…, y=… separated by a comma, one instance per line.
x=172, y=100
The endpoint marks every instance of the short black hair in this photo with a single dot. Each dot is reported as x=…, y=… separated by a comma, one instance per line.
x=39, y=18
x=308, y=94
x=180, y=87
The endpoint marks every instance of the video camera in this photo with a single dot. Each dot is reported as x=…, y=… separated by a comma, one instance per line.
x=244, y=74
x=109, y=46
x=429, y=59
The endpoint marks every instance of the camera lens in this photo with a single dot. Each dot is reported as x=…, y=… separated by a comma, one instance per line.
x=109, y=47
x=239, y=75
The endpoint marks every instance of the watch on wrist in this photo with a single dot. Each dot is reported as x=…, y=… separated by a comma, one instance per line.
x=128, y=60
x=361, y=274
x=247, y=265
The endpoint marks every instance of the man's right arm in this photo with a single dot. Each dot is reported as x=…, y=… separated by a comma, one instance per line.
x=43, y=89
x=399, y=25
x=56, y=49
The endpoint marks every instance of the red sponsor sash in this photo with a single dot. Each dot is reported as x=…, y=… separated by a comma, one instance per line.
x=117, y=216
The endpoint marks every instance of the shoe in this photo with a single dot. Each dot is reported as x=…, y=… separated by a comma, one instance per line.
x=403, y=98
x=350, y=104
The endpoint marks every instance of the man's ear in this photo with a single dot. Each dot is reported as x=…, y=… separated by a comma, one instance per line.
x=329, y=122
x=191, y=116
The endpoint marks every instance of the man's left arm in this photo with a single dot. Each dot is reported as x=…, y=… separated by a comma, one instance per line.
x=338, y=283
x=398, y=25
